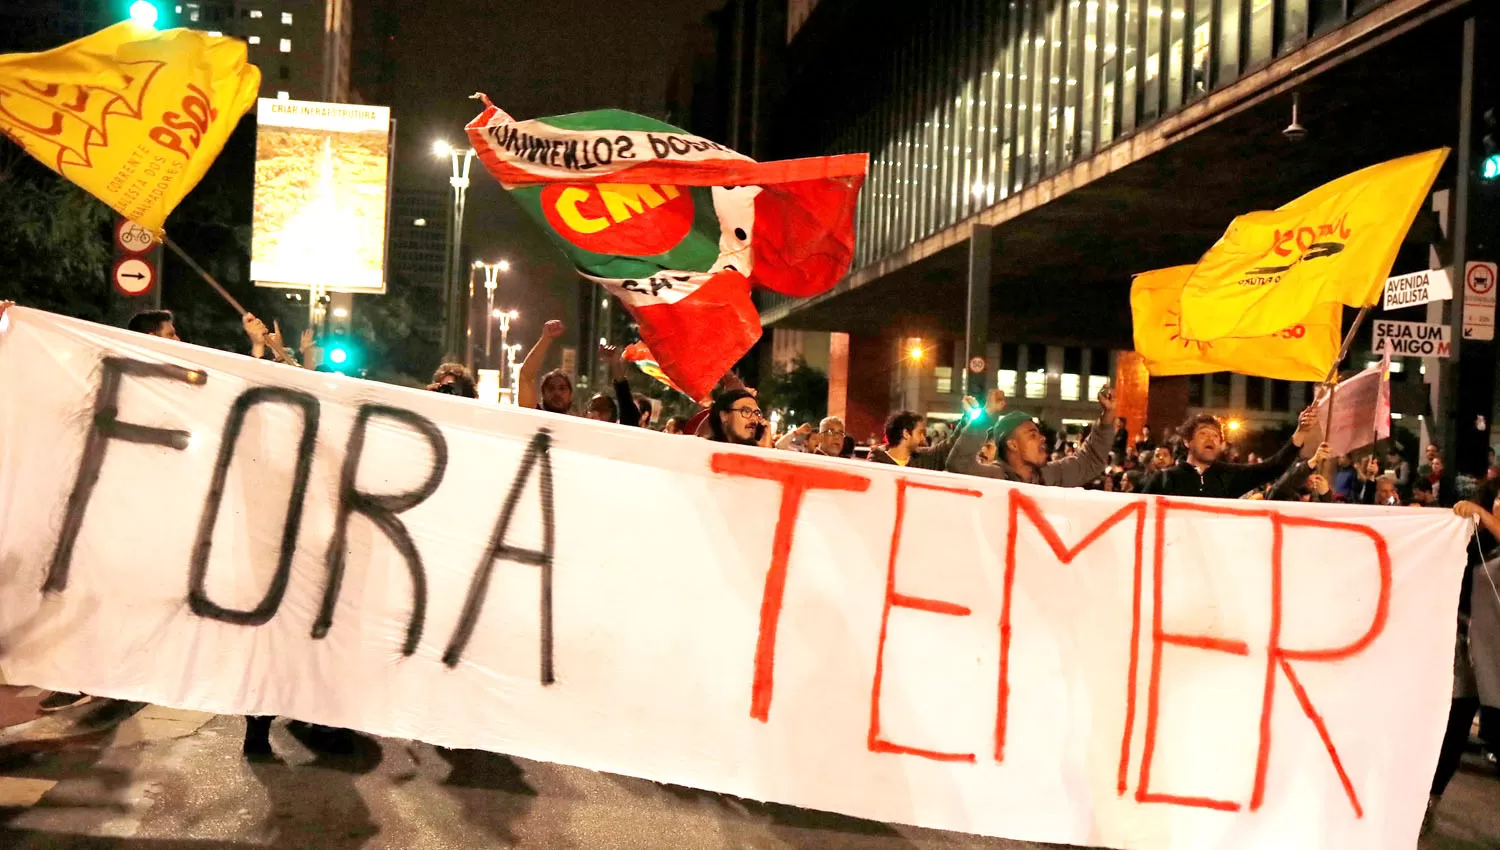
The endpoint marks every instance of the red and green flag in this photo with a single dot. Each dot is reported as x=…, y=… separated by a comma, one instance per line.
x=678, y=227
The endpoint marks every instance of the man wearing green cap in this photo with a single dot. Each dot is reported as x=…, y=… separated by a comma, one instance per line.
x=1022, y=448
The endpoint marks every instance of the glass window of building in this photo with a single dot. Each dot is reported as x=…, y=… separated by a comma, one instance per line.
x=1151, y=95
x=1129, y=79
x=1201, y=33
x=1281, y=395
x=1222, y=382
x=1229, y=41
x=286, y=18
x=1260, y=32
x=1176, y=49
x=1055, y=73
x=255, y=13
x=1036, y=371
x=1071, y=384
x=1255, y=393
x=944, y=375
x=1293, y=26
x=1088, y=78
x=281, y=95
x=254, y=39
x=1010, y=365
x=286, y=45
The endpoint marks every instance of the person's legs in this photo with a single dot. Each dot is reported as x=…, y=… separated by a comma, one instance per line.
x=59, y=700
x=258, y=736
x=1455, y=741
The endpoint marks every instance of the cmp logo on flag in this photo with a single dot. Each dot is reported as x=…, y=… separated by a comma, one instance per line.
x=622, y=219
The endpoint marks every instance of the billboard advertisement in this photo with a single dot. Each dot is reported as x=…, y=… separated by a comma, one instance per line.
x=322, y=180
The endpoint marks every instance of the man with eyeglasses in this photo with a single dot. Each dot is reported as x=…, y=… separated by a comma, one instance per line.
x=736, y=418
x=829, y=439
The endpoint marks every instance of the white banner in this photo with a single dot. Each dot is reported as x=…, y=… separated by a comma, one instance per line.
x=1361, y=411
x=1042, y=664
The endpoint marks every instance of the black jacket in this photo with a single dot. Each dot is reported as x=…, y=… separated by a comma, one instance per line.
x=1221, y=480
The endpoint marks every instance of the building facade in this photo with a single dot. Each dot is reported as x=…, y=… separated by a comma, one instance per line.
x=1029, y=156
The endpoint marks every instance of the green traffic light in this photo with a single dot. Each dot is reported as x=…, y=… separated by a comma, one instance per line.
x=1490, y=168
x=144, y=13
x=339, y=356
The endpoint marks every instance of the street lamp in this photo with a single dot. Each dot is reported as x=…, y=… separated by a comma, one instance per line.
x=492, y=273
x=457, y=321
x=513, y=367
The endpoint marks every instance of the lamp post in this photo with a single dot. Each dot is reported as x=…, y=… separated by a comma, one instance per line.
x=492, y=272
x=457, y=319
x=504, y=316
x=512, y=367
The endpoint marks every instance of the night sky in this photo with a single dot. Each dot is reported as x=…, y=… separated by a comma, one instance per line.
x=533, y=59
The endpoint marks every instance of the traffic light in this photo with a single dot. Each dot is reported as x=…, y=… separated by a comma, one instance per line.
x=342, y=353
x=144, y=12
x=1489, y=165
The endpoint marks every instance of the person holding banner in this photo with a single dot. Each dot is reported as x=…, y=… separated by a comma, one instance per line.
x=1203, y=474
x=1022, y=448
x=1476, y=660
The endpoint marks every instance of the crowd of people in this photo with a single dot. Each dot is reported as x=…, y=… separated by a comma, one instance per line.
x=993, y=442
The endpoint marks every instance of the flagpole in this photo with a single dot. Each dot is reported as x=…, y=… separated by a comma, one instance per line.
x=276, y=346
x=1333, y=373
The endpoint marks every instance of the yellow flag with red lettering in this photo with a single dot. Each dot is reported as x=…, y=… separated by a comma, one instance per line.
x=1302, y=351
x=132, y=115
x=1335, y=244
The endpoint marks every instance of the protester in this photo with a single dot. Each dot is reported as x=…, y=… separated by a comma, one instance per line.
x=1203, y=474
x=643, y=404
x=1023, y=447
x=1444, y=489
x=796, y=439
x=1145, y=445
x=1386, y=491
x=556, y=386
x=675, y=425
x=1344, y=477
x=831, y=434
x=1120, y=445
x=1160, y=459
x=454, y=379
x=1476, y=657
x=1398, y=465
x=1365, y=489
x=735, y=417
x=1301, y=480
x=988, y=451
x=906, y=443
x=154, y=323
x=1422, y=495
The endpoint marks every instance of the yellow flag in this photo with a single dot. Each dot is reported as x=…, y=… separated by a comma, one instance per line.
x=1302, y=351
x=132, y=115
x=1335, y=244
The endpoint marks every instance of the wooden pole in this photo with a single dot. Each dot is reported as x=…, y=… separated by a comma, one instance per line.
x=1332, y=382
x=276, y=346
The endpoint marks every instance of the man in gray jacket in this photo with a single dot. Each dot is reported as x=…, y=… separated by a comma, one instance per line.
x=1023, y=448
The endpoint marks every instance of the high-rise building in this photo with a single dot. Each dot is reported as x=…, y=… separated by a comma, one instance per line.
x=302, y=47
x=419, y=238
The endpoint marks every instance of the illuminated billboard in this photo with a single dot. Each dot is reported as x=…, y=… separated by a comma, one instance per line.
x=322, y=180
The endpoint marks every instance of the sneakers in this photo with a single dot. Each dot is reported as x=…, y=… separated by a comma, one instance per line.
x=57, y=701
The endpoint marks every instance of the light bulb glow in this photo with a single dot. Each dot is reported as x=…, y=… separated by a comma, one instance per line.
x=144, y=13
